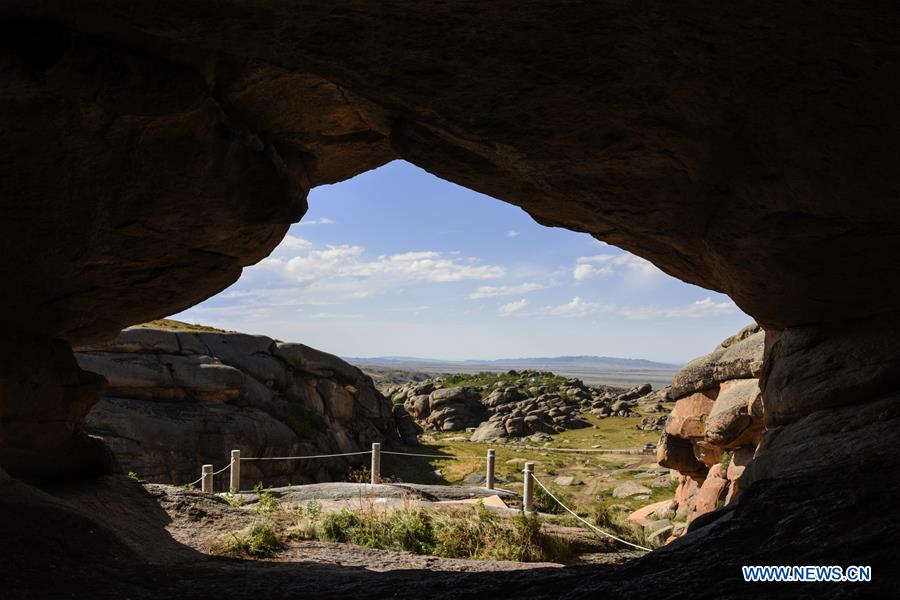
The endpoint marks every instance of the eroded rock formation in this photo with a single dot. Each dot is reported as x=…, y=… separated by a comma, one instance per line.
x=176, y=400
x=716, y=424
x=519, y=404
x=149, y=151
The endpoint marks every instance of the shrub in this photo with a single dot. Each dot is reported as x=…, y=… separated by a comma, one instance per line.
x=260, y=539
x=266, y=504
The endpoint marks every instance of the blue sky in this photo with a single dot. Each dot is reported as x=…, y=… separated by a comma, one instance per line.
x=398, y=262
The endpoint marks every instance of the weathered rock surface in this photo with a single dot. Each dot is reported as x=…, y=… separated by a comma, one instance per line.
x=179, y=399
x=149, y=151
x=718, y=408
x=630, y=488
x=730, y=423
x=534, y=402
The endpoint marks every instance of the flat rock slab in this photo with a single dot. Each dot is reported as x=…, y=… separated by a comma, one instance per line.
x=348, y=491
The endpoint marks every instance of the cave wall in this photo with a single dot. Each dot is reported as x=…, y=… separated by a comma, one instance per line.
x=149, y=151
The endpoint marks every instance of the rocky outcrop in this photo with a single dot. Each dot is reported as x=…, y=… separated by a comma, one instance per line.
x=178, y=399
x=716, y=424
x=519, y=404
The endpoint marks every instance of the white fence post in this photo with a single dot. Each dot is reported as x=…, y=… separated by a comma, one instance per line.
x=528, y=491
x=489, y=479
x=376, y=462
x=206, y=484
x=235, y=471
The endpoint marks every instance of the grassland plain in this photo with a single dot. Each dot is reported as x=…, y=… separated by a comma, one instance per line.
x=596, y=474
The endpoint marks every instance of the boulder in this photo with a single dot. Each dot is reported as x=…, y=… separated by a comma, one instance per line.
x=407, y=428
x=630, y=488
x=212, y=392
x=515, y=427
x=737, y=357
x=709, y=494
x=687, y=420
x=685, y=493
x=659, y=534
x=489, y=430
x=678, y=453
x=418, y=406
x=315, y=362
x=740, y=458
x=730, y=423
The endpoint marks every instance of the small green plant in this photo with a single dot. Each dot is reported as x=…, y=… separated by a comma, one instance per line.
x=233, y=499
x=266, y=504
x=725, y=460
x=133, y=475
x=260, y=539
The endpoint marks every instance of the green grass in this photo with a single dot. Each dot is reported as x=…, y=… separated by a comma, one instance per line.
x=260, y=539
x=601, y=473
x=474, y=533
x=172, y=324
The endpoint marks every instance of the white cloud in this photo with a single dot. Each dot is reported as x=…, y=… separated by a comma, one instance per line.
x=349, y=262
x=512, y=233
x=345, y=272
x=633, y=266
x=321, y=221
x=489, y=291
x=512, y=308
x=701, y=308
x=578, y=307
x=293, y=243
x=587, y=271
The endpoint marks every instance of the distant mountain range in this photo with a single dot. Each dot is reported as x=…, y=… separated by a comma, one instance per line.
x=603, y=363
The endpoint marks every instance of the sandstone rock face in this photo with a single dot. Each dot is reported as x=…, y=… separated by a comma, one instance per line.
x=179, y=399
x=730, y=423
x=838, y=363
x=717, y=410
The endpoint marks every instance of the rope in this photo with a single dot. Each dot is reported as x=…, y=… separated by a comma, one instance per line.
x=302, y=457
x=412, y=454
x=571, y=512
x=193, y=483
x=223, y=469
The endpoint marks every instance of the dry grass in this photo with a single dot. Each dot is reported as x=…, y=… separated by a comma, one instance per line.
x=172, y=324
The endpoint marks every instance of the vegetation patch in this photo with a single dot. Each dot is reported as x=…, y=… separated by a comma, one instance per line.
x=172, y=324
x=259, y=540
x=474, y=533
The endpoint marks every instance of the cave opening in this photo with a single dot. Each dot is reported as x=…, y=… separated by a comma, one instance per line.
x=412, y=278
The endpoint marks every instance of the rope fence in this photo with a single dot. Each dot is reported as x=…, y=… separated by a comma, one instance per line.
x=577, y=516
x=304, y=457
x=206, y=479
